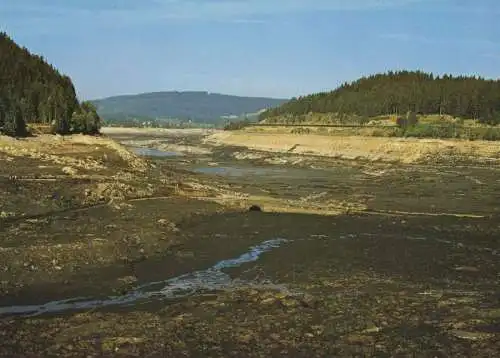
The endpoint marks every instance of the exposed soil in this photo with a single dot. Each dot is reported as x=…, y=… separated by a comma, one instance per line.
x=352, y=147
x=377, y=259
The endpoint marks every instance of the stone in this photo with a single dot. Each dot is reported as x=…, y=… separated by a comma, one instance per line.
x=268, y=301
x=289, y=302
x=309, y=301
x=356, y=338
x=372, y=329
x=245, y=338
x=471, y=336
x=127, y=280
x=467, y=269
x=69, y=171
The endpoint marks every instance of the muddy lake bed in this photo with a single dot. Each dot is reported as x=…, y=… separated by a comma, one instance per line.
x=348, y=258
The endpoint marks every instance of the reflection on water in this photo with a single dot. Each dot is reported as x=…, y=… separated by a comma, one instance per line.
x=211, y=279
x=153, y=152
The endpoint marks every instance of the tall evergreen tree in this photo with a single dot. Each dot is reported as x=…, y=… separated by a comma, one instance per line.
x=14, y=124
x=34, y=92
x=400, y=92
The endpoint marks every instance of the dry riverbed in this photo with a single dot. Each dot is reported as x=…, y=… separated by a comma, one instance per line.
x=374, y=149
x=106, y=253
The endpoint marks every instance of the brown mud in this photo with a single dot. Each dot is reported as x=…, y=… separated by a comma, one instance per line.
x=380, y=259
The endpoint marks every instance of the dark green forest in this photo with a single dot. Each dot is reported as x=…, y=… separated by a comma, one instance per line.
x=400, y=92
x=34, y=92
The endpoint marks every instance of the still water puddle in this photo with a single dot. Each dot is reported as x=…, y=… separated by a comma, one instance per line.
x=210, y=279
x=153, y=152
x=267, y=171
x=315, y=177
x=241, y=171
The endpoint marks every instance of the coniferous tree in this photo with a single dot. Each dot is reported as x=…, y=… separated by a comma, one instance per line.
x=14, y=124
x=34, y=92
x=85, y=119
x=399, y=92
x=3, y=112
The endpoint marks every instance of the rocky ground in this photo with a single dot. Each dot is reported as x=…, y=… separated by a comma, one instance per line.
x=376, y=259
x=75, y=204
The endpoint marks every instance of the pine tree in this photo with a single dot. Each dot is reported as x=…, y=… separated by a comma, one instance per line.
x=85, y=119
x=32, y=91
x=14, y=124
x=399, y=92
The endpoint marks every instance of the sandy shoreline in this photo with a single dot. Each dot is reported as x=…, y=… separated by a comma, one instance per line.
x=403, y=150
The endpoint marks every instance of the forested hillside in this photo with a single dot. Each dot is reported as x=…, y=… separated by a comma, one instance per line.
x=399, y=92
x=34, y=92
x=190, y=105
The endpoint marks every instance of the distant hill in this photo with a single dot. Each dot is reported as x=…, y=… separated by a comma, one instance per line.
x=196, y=106
x=399, y=92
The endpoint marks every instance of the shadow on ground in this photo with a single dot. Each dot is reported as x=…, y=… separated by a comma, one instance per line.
x=372, y=285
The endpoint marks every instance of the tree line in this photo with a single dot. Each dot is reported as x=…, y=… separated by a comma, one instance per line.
x=34, y=92
x=402, y=91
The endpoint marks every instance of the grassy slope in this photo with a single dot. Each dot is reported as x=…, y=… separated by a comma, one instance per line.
x=429, y=126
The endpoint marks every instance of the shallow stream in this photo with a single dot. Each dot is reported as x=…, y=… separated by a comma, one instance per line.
x=211, y=279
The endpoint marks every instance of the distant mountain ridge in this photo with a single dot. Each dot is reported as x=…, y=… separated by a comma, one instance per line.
x=198, y=106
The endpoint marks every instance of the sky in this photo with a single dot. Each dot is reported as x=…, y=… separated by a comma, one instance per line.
x=273, y=48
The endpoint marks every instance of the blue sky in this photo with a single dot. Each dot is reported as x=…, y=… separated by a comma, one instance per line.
x=278, y=48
